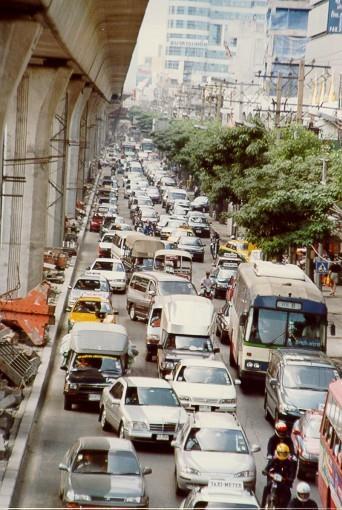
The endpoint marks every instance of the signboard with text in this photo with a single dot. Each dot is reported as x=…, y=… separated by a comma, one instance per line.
x=334, y=25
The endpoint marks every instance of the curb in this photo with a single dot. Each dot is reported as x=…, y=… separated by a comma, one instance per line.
x=36, y=398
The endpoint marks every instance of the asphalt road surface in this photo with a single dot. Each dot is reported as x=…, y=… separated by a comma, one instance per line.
x=57, y=429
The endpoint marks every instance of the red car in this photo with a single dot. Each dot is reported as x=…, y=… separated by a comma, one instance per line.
x=95, y=223
x=305, y=437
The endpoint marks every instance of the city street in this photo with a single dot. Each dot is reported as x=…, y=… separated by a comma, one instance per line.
x=56, y=429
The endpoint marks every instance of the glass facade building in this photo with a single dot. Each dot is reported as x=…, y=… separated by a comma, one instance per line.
x=203, y=36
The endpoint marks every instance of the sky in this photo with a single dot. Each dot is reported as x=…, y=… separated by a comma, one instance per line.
x=151, y=35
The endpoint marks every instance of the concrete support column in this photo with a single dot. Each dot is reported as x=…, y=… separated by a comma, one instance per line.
x=17, y=42
x=46, y=87
x=78, y=96
x=94, y=102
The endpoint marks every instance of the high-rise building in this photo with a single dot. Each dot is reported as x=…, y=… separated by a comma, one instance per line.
x=206, y=37
x=287, y=25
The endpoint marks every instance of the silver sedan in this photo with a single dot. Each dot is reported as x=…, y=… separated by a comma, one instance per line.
x=213, y=446
x=102, y=472
x=142, y=409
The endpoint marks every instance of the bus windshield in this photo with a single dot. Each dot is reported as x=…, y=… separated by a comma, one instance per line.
x=285, y=328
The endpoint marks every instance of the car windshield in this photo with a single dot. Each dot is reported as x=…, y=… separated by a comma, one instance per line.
x=120, y=463
x=176, y=287
x=174, y=223
x=204, y=375
x=190, y=241
x=313, y=427
x=101, y=265
x=308, y=377
x=199, y=219
x=278, y=327
x=203, y=505
x=83, y=284
x=189, y=343
x=99, y=363
x=108, y=238
x=177, y=195
x=226, y=274
x=216, y=440
x=90, y=306
x=151, y=397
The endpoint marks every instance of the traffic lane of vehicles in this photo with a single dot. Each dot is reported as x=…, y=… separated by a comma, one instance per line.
x=56, y=430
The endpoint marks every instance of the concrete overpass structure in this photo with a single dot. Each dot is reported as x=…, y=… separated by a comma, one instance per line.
x=62, y=62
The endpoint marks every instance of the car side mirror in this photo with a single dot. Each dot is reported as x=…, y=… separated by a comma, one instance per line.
x=67, y=308
x=237, y=382
x=332, y=329
x=69, y=287
x=147, y=471
x=168, y=377
x=296, y=432
x=63, y=367
x=151, y=293
x=174, y=444
x=255, y=448
x=273, y=382
x=63, y=467
x=216, y=349
x=88, y=267
x=134, y=350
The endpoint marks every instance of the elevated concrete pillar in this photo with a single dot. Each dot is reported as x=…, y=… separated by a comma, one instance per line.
x=17, y=42
x=46, y=86
x=93, y=104
x=78, y=96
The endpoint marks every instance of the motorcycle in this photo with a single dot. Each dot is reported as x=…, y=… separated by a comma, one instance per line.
x=207, y=292
x=276, y=498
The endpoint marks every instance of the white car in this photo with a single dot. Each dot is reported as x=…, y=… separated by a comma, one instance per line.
x=204, y=385
x=213, y=446
x=142, y=409
x=105, y=245
x=89, y=285
x=112, y=269
x=222, y=494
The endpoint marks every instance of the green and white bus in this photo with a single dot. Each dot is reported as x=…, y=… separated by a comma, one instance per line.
x=273, y=305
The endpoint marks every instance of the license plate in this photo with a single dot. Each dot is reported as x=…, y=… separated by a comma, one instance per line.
x=225, y=484
x=161, y=437
x=94, y=397
x=204, y=408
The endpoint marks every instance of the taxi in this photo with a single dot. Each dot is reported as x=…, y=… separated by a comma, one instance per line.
x=92, y=309
x=223, y=493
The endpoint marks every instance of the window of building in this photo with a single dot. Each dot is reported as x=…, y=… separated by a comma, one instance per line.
x=215, y=34
x=294, y=19
x=171, y=64
x=286, y=47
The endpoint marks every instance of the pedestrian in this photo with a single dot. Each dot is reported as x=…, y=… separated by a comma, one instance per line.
x=334, y=270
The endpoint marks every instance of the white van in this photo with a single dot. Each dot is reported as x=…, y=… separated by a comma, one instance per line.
x=187, y=330
x=118, y=243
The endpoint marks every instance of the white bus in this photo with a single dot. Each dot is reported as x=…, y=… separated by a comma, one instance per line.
x=273, y=305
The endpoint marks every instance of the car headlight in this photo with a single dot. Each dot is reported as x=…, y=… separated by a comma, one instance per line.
x=72, y=386
x=82, y=497
x=227, y=401
x=287, y=408
x=244, y=474
x=191, y=471
x=138, y=425
x=133, y=499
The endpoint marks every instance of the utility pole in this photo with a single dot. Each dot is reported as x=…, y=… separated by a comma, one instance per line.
x=241, y=103
x=278, y=100
x=320, y=245
x=300, y=91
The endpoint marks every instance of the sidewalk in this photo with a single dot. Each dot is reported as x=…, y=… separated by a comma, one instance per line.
x=334, y=304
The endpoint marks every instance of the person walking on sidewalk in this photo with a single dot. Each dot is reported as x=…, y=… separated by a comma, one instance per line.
x=334, y=270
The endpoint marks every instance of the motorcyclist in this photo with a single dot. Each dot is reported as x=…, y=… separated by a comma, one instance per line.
x=283, y=465
x=280, y=435
x=302, y=499
x=206, y=282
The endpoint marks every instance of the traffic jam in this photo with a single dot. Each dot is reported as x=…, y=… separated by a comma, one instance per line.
x=207, y=333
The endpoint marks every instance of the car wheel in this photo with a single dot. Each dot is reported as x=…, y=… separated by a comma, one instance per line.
x=104, y=423
x=121, y=431
x=132, y=314
x=266, y=411
x=67, y=404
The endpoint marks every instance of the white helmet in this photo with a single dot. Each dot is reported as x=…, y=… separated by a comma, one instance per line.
x=303, y=491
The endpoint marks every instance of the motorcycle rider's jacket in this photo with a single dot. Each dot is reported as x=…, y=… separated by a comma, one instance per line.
x=206, y=282
x=285, y=468
x=295, y=503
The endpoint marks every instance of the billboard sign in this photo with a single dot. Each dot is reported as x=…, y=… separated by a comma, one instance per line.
x=334, y=25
